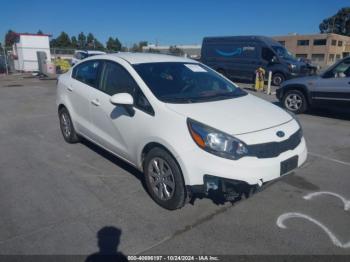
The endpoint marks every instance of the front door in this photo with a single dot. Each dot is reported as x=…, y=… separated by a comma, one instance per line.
x=333, y=88
x=118, y=128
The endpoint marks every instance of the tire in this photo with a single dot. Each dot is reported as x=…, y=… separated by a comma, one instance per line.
x=164, y=180
x=67, y=128
x=278, y=79
x=295, y=101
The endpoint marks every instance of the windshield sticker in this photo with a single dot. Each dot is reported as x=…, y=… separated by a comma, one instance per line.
x=195, y=68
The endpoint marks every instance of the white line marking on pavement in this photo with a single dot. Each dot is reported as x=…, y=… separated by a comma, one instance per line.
x=334, y=239
x=346, y=202
x=330, y=159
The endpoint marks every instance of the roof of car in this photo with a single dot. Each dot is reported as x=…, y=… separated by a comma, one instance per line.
x=141, y=58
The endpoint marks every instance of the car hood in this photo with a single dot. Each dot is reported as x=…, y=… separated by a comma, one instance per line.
x=235, y=116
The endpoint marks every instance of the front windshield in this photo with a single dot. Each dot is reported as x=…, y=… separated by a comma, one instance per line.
x=283, y=53
x=175, y=82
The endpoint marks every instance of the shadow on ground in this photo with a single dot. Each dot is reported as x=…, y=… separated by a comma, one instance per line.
x=108, y=240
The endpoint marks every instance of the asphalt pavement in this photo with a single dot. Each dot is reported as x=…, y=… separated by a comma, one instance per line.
x=57, y=198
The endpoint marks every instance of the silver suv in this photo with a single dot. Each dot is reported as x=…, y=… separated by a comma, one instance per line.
x=332, y=87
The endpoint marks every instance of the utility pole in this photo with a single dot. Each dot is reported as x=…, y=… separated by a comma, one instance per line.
x=5, y=57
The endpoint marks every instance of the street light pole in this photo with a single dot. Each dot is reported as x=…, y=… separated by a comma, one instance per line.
x=5, y=57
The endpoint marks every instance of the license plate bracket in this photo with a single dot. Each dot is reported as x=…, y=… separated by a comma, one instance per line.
x=288, y=165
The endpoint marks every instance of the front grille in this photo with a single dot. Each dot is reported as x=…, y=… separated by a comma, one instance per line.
x=274, y=149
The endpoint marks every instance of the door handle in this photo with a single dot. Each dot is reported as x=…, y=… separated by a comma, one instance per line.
x=95, y=102
x=69, y=88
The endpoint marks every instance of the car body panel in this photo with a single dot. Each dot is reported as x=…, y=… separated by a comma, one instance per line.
x=251, y=119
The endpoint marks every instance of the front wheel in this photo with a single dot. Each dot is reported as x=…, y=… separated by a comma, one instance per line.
x=164, y=179
x=277, y=79
x=295, y=101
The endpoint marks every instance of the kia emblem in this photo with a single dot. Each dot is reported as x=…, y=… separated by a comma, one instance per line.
x=280, y=134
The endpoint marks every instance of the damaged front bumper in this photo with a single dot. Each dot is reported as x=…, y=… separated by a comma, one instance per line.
x=223, y=188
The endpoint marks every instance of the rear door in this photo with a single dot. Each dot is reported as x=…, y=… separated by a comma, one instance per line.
x=334, y=87
x=84, y=78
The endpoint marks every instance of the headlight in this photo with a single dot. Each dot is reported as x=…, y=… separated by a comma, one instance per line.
x=292, y=66
x=215, y=141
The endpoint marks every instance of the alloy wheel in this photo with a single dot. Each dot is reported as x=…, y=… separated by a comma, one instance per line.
x=293, y=102
x=161, y=178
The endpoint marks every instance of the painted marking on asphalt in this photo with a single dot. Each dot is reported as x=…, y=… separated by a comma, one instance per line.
x=330, y=159
x=345, y=201
x=333, y=238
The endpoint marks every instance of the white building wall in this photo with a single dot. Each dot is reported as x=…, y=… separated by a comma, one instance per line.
x=26, y=50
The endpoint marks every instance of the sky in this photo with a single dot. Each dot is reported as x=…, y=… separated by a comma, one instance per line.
x=166, y=21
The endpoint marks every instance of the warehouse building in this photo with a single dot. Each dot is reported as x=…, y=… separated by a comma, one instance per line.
x=321, y=49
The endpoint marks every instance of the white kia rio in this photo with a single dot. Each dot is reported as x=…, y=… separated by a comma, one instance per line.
x=187, y=128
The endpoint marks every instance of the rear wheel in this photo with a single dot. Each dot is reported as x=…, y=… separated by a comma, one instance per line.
x=164, y=179
x=295, y=101
x=67, y=128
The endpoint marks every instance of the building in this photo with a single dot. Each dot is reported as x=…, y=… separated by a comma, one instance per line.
x=321, y=49
x=25, y=51
x=192, y=51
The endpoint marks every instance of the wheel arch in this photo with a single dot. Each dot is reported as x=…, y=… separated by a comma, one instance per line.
x=168, y=148
x=300, y=87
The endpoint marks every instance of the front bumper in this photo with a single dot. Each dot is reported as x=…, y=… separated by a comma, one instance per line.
x=250, y=170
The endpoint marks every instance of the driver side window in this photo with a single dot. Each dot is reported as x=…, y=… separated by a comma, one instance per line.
x=340, y=71
x=115, y=79
x=267, y=54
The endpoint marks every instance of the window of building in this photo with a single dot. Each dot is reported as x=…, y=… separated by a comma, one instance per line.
x=320, y=42
x=317, y=58
x=331, y=58
x=334, y=42
x=303, y=42
x=340, y=43
x=338, y=57
x=301, y=55
x=282, y=43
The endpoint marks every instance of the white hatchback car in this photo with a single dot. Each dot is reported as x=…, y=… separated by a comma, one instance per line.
x=186, y=127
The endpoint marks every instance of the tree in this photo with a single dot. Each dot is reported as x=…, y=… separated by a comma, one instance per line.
x=138, y=47
x=90, y=41
x=63, y=40
x=113, y=44
x=74, y=42
x=338, y=23
x=10, y=38
x=98, y=45
x=40, y=32
x=82, y=40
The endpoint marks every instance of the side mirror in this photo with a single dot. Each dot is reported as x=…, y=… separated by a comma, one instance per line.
x=274, y=60
x=122, y=99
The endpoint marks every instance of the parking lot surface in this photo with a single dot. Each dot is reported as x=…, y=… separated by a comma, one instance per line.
x=56, y=197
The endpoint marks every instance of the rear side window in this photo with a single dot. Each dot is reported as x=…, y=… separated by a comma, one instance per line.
x=87, y=72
